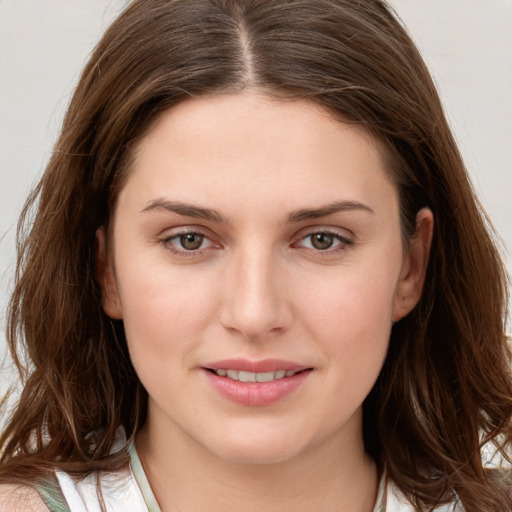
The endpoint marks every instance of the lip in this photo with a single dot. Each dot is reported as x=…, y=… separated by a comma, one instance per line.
x=256, y=394
x=265, y=365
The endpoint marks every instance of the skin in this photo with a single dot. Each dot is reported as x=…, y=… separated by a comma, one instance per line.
x=257, y=287
x=14, y=498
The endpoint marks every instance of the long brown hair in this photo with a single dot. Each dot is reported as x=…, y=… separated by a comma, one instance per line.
x=445, y=389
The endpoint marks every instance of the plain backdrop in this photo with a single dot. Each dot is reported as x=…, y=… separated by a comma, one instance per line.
x=44, y=44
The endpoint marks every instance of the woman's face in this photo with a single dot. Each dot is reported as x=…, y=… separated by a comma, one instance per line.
x=258, y=265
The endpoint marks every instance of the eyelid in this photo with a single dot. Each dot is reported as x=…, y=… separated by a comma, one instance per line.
x=173, y=234
x=346, y=240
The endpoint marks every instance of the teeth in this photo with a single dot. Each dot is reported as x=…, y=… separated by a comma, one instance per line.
x=233, y=374
x=265, y=377
x=244, y=376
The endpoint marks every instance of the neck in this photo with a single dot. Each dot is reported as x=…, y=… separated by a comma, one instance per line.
x=331, y=477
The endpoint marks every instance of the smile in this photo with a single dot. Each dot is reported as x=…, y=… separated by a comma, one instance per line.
x=245, y=376
x=256, y=383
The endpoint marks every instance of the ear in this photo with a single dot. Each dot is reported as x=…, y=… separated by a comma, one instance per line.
x=106, y=279
x=414, y=269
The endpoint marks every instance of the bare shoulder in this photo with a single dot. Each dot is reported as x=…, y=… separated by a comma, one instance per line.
x=20, y=498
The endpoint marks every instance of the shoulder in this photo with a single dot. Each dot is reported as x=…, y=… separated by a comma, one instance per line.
x=20, y=498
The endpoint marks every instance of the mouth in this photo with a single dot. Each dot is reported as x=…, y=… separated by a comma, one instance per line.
x=246, y=376
x=256, y=383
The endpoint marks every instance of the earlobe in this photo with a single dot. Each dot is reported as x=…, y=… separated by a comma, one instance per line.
x=106, y=279
x=412, y=278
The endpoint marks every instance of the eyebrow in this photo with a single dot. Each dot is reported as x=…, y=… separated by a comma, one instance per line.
x=301, y=215
x=184, y=209
x=329, y=209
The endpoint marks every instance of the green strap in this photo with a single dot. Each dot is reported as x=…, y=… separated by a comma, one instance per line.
x=141, y=479
x=49, y=490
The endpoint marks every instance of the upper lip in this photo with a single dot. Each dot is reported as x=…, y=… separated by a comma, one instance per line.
x=262, y=366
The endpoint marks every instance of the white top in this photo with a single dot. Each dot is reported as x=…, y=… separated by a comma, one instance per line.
x=128, y=490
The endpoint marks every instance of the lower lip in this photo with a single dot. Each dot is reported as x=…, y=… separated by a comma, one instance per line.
x=256, y=393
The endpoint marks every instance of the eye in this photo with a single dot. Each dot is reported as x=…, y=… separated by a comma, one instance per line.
x=191, y=241
x=324, y=241
x=187, y=243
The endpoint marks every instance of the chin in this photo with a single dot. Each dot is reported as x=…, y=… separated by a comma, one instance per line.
x=255, y=457
x=257, y=450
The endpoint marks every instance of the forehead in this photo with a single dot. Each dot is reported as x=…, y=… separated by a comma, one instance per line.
x=247, y=148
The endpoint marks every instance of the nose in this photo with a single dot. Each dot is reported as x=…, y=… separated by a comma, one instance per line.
x=255, y=303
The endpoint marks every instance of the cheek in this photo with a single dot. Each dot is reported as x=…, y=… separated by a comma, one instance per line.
x=352, y=316
x=164, y=311
x=356, y=298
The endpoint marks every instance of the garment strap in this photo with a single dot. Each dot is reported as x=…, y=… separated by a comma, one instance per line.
x=141, y=479
x=50, y=492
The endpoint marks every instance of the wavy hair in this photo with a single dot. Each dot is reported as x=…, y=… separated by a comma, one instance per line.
x=445, y=389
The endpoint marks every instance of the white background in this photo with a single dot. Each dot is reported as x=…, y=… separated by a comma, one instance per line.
x=44, y=44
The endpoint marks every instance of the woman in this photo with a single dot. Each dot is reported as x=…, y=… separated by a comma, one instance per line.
x=257, y=277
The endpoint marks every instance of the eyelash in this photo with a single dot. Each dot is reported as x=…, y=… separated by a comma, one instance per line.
x=167, y=243
x=343, y=245
x=344, y=242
